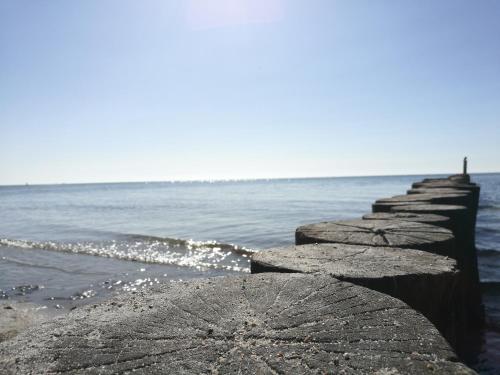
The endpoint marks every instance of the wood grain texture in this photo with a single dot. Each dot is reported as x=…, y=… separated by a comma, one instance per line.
x=388, y=233
x=269, y=324
x=450, y=190
x=449, y=210
x=466, y=254
x=386, y=206
x=439, y=220
x=434, y=198
x=427, y=282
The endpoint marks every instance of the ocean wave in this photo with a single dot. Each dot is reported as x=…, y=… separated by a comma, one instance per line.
x=488, y=252
x=58, y=269
x=201, y=255
x=486, y=230
x=491, y=207
x=191, y=244
x=20, y=290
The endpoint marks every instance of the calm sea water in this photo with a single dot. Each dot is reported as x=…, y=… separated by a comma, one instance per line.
x=64, y=245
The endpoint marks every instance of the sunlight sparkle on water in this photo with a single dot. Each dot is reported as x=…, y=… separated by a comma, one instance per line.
x=201, y=255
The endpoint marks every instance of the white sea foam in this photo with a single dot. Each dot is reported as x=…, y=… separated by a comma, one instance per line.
x=186, y=253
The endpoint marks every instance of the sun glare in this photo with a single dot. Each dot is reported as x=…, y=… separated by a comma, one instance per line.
x=203, y=14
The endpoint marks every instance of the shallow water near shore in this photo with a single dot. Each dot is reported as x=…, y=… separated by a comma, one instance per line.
x=66, y=245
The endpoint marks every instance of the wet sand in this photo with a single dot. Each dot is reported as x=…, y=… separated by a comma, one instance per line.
x=15, y=317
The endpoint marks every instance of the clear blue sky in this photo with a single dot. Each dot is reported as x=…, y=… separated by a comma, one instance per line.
x=96, y=90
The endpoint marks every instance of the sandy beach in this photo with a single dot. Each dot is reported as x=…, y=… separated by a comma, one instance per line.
x=15, y=317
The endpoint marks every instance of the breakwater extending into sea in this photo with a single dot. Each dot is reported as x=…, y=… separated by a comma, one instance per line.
x=286, y=202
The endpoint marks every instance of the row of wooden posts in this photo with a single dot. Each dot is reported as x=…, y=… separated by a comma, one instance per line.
x=418, y=247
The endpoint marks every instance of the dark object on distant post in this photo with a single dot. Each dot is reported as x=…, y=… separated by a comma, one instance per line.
x=425, y=281
x=272, y=323
x=464, y=177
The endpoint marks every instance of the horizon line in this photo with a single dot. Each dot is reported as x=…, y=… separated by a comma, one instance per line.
x=217, y=180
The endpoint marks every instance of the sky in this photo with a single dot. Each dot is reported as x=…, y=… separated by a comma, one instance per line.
x=121, y=90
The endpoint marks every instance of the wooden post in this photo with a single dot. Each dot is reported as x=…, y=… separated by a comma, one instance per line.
x=386, y=206
x=437, y=198
x=427, y=282
x=384, y=233
x=272, y=323
x=465, y=252
x=439, y=220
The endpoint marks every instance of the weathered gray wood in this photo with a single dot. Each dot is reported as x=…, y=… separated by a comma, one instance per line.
x=460, y=225
x=466, y=255
x=386, y=206
x=268, y=324
x=460, y=178
x=467, y=201
x=392, y=233
x=437, y=191
x=354, y=262
x=436, y=198
x=472, y=204
x=447, y=184
x=434, y=179
x=425, y=281
x=439, y=220
x=472, y=187
x=472, y=190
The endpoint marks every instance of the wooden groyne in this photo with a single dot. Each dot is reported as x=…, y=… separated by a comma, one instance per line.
x=463, y=224
x=390, y=293
x=436, y=216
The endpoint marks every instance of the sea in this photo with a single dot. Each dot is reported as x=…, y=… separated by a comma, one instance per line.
x=65, y=245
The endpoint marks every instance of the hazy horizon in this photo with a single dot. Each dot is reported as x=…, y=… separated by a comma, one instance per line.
x=120, y=91
x=240, y=179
